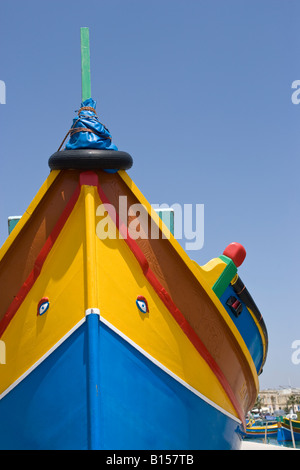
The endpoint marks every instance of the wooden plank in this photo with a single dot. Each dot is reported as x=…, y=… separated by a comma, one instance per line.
x=85, y=64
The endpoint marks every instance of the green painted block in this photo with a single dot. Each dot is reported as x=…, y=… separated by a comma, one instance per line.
x=167, y=216
x=226, y=277
x=85, y=64
x=12, y=222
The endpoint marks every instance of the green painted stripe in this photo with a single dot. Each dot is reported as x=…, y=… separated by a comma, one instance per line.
x=12, y=222
x=295, y=424
x=85, y=64
x=167, y=216
x=226, y=277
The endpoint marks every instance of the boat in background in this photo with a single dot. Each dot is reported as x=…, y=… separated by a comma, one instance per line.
x=289, y=426
x=115, y=341
x=259, y=429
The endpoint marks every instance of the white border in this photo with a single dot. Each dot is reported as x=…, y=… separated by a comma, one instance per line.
x=36, y=364
x=89, y=311
x=170, y=373
x=134, y=345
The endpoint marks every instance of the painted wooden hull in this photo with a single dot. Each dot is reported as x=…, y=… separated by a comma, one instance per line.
x=286, y=430
x=95, y=372
x=260, y=432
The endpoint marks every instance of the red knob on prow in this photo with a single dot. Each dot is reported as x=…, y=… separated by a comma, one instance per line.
x=236, y=252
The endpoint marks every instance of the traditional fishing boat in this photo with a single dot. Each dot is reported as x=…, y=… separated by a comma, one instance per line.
x=259, y=430
x=112, y=340
x=290, y=428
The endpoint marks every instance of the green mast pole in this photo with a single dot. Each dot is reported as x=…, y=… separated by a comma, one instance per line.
x=85, y=64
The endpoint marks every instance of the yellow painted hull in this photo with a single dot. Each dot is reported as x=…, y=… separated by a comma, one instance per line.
x=64, y=260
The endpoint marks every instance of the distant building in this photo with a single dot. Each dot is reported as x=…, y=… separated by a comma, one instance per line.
x=277, y=399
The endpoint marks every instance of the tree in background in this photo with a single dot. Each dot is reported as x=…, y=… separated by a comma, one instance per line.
x=291, y=402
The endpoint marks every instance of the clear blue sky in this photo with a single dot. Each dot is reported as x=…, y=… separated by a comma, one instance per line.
x=199, y=93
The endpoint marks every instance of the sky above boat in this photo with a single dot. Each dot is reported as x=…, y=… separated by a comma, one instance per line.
x=200, y=94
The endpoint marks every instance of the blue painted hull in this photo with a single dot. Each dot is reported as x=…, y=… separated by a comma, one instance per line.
x=247, y=328
x=259, y=435
x=286, y=434
x=137, y=404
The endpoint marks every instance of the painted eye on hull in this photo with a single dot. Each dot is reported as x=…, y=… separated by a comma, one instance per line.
x=43, y=306
x=142, y=304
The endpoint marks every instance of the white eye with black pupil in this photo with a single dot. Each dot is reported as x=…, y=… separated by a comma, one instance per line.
x=43, y=307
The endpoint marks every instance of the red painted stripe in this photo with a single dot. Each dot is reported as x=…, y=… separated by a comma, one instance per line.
x=176, y=313
x=21, y=295
x=89, y=178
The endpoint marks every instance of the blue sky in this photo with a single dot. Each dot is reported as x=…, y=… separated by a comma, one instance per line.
x=199, y=93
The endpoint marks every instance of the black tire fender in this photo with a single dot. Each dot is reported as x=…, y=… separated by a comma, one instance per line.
x=90, y=159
